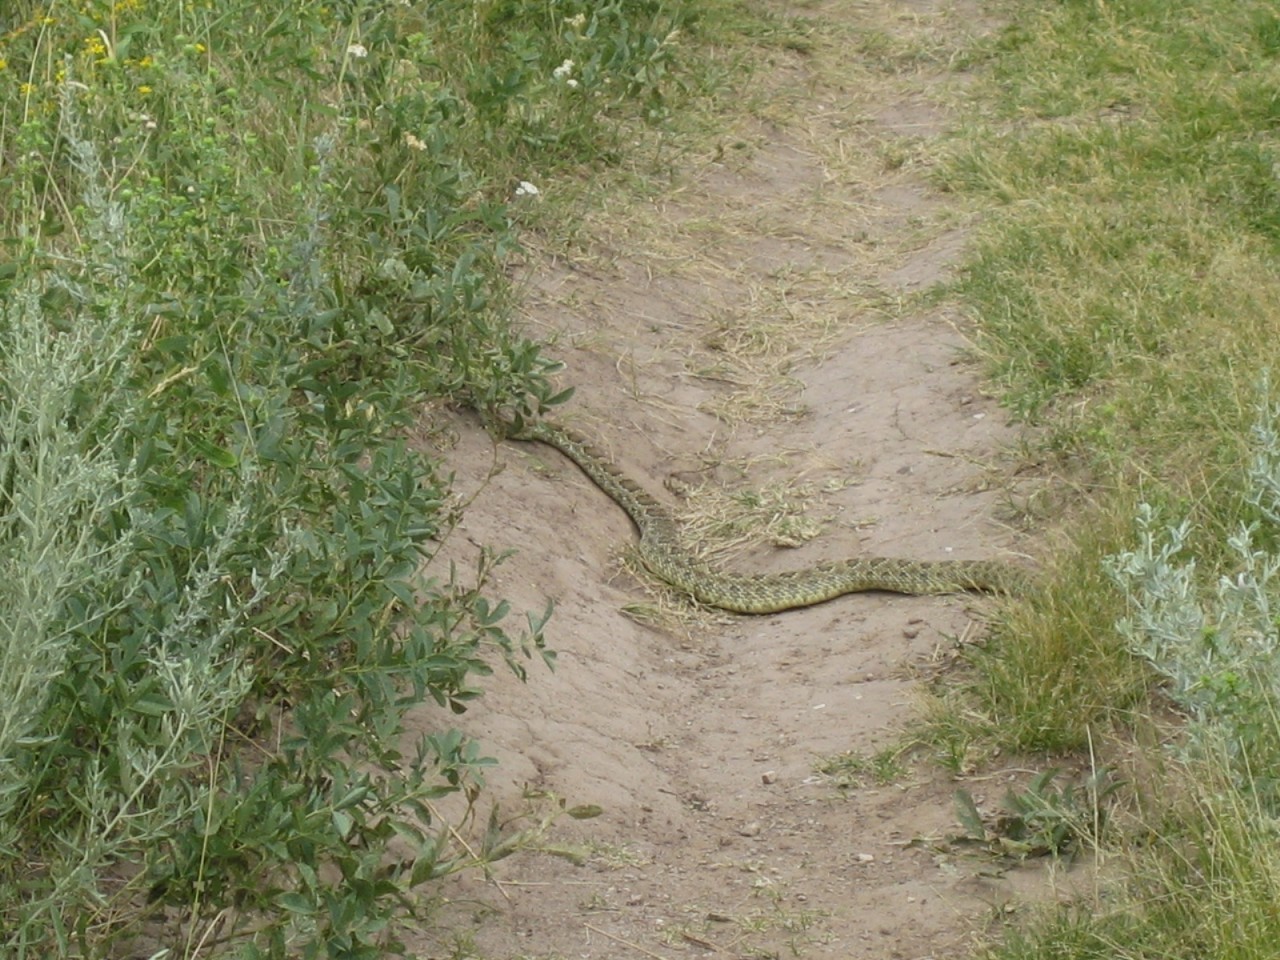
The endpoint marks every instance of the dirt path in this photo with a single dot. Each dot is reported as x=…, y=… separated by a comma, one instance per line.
x=755, y=331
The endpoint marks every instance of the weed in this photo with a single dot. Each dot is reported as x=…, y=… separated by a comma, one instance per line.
x=1221, y=660
x=1043, y=819
x=849, y=769
x=1125, y=299
x=246, y=242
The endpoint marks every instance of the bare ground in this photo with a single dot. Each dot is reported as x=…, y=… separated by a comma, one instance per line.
x=755, y=333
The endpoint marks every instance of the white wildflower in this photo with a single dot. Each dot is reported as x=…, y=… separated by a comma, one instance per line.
x=357, y=51
x=412, y=141
x=578, y=21
x=526, y=189
x=563, y=71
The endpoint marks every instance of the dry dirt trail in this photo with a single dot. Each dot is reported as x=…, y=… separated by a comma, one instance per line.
x=755, y=329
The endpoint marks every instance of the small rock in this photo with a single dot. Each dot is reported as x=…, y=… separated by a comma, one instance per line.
x=865, y=858
x=751, y=829
x=768, y=777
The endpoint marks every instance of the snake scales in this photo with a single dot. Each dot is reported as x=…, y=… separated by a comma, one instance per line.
x=663, y=555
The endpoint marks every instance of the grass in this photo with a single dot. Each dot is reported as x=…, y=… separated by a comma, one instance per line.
x=850, y=770
x=247, y=241
x=1124, y=155
x=245, y=244
x=1125, y=302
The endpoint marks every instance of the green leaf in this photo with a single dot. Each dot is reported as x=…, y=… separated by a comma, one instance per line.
x=353, y=797
x=295, y=903
x=424, y=867
x=970, y=818
x=214, y=454
x=152, y=705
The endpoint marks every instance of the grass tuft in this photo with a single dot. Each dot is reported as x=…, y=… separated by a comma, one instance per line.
x=1125, y=296
x=245, y=243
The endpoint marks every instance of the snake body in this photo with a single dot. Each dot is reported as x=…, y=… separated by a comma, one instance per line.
x=663, y=554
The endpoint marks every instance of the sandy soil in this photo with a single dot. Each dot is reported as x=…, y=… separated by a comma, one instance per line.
x=755, y=325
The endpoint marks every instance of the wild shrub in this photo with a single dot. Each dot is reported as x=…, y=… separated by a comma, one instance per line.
x=1219, y=657
x=247, y=243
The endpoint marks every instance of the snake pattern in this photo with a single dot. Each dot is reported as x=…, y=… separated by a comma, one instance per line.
x=663, y=554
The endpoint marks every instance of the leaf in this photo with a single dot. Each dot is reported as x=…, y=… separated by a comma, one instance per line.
x=216, y=455
x=295, y=903
x=575, y=855
x=492, y=834
x=970, y=818
x=585, y=811
x=353, y=797
x=1017, y=849
x=561, y=397
x=1042, y=780
x=424, y=867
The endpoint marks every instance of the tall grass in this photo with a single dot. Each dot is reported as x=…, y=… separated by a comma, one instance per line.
x=243, y=243
x=1126, y=297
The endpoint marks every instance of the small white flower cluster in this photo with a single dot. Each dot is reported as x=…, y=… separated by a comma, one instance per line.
x=564, y=72
x=526, y=189
x=577, y=21
x=357, y=51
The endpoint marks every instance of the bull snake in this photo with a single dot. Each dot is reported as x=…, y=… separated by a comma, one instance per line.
x=661, y=552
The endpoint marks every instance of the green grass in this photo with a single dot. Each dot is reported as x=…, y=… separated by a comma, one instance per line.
x=1126, y=154
x=247, y=241
x=1056, y=672
x=1125, y=294
x=243, y=244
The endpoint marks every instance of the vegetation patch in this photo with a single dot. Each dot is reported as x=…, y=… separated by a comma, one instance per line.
x=1125, y=295
x=244, y=244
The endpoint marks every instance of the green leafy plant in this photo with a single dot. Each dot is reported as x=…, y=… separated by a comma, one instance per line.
x=247, y=243
x=1044, y=818
x=1220, y=658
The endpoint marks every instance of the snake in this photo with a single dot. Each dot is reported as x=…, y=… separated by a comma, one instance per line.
x=662, y=552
